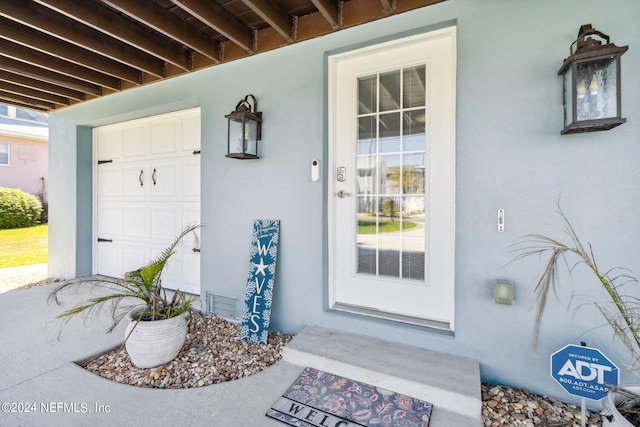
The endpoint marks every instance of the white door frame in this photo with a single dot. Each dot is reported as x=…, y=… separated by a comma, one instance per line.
x=440, y=223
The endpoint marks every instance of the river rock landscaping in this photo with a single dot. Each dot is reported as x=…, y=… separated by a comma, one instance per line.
x=220, y=355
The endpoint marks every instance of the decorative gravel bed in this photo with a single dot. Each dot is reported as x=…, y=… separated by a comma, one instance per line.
x=506, y=406
x=217, y=356
x=220, y=355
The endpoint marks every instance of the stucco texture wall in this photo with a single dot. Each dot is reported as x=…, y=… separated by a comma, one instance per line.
x=510, y=155
x=28, y=164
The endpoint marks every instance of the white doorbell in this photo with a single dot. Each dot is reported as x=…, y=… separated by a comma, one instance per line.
x=315, y=170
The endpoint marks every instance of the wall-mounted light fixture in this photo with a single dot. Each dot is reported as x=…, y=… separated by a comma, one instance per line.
x=503, y=292
x=591, y=76
x=244, y=130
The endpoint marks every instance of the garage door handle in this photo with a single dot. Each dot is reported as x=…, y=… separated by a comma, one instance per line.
x=104, y=240
x=140, y=177
x=153, y=176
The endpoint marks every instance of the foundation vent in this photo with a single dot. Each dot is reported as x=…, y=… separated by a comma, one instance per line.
x=225, y=307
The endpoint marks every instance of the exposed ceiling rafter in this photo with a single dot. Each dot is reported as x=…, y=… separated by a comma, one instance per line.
x=329, y=11
x=56, y=53
x=114, y=25
x=219, y=19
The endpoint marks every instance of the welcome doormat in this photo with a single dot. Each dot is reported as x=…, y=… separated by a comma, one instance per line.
x=322, y=399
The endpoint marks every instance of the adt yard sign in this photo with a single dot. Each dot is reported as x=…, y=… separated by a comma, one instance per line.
x=584, y=371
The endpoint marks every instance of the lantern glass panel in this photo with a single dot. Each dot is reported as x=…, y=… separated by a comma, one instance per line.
x=567, y=86
x=596, y=89
x=236, y=131
x=251, y=137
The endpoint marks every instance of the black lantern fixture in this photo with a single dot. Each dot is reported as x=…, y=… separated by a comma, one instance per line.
x=245, y=130
x=591, y=76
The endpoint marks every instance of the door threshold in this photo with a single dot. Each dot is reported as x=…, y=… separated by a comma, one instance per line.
x=412, y=320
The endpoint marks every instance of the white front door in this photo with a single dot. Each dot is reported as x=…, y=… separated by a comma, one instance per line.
x=392, y=180
x=147, y=188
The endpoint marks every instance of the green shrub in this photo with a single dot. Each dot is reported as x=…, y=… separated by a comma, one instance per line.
x=18, y=209
x=44, y=216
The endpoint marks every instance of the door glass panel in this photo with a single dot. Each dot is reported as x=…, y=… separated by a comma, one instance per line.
x=391, y=174
x=413, y=179
x=367, y=177
x=413, y=130
x=389, y=260
x=413, y=93
x=367, y=139
x=413, y=212
x=367, y=254
x=389, y=132
x=388, y=214
x=413, y=259
x=389, y=91
x=368, y=98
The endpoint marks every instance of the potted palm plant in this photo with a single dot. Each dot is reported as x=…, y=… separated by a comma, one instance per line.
x=621, y=310
x=158, y=321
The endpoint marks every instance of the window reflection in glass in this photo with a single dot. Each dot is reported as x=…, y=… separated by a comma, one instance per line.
x=391, y=174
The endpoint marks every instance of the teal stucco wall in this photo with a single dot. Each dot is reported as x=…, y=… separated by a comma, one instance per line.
x=510, y=155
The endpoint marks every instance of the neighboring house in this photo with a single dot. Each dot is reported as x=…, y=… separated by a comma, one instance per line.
x=481, y=90
x=24, y=161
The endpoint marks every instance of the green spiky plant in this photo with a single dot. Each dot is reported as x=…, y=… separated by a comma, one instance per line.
x=139, y=288
x=621, y=311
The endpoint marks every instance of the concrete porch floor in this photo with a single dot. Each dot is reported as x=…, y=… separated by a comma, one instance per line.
x=39, y=377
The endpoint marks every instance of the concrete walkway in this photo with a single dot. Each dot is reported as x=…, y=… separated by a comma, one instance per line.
x=12, y=278
x=40, y=385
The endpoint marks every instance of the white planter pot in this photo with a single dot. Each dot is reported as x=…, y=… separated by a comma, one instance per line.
x=154, y=343
x=611, y=417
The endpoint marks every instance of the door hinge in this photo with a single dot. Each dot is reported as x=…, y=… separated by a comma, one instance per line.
x=100, y=239
x=196, y=250
x=196, y=152
x=101, y=162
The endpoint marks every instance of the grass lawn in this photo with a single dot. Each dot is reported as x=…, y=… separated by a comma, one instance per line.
x=24, y=246
x=385, y=226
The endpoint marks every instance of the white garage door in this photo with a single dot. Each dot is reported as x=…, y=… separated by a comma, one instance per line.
x=147, y=188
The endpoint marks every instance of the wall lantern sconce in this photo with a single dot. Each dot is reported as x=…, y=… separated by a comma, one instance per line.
x=503, y=292
x=591, y=83
x=245, y=130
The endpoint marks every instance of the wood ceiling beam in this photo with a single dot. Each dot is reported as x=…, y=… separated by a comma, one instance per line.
x=273, y=15
x=39, y=73
x=329, y=11
x=115, y=25
x=24, y=54
x=169, y=24
x=21, y=105
x=47, y=44
x=406, y=5
x=33, y=93
x=220, y=20
x=388, y=6
x=44, y=19
x=12, y=98
x=41, y=85
x=43, y=50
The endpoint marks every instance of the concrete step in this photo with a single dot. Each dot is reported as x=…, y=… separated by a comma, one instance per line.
x=451, y=383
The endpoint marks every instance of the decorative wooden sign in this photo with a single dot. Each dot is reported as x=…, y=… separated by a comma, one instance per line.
x=262, y=272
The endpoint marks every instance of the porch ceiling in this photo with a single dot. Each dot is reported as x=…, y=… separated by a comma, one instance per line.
x=56, y=53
